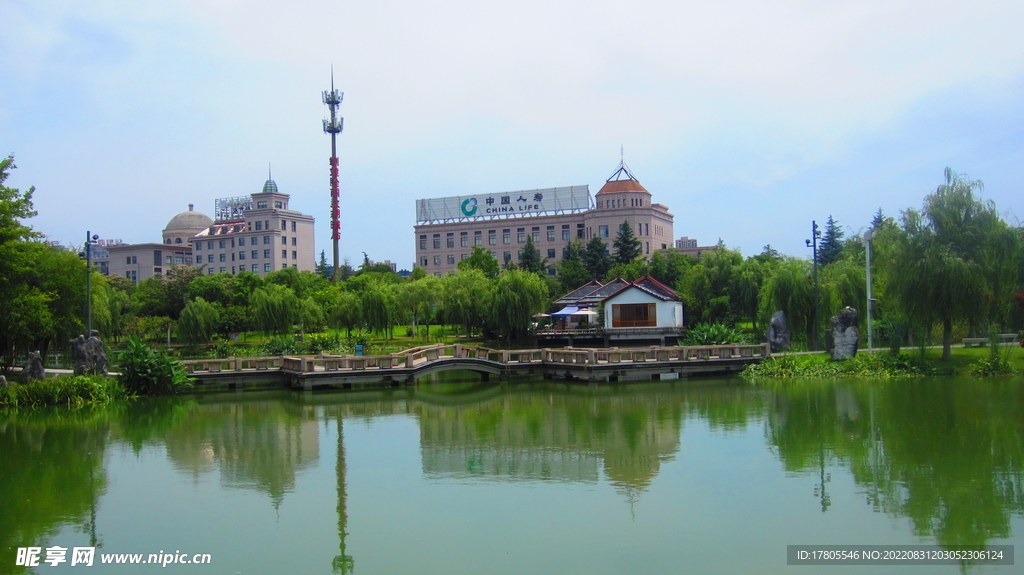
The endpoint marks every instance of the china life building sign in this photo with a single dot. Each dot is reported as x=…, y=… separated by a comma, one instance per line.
x=568, y=199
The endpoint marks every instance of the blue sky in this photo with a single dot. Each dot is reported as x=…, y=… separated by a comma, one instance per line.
x=748, y=119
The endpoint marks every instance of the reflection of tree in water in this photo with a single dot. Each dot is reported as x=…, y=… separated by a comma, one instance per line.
x=254, y=444
x=561, y=434
x=52, y=475
x=948, y=454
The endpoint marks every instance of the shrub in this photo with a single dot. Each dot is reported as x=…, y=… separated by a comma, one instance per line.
x=145, y=371
x=714, y=334
x=70, y=390
x=281, y=346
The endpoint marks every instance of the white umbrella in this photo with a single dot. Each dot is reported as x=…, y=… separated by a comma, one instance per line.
x=585, y=312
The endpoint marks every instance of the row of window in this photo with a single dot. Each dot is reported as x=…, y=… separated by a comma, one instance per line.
x=255, y=268
x=621, y=203
x=255, y=254
x=550, y=234
x=260, y=225
x=223, y=244
x=425, y=261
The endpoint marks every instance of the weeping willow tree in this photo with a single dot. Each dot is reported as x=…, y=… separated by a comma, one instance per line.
x=955, y=261
x=275, y=309
x=466, y=298
x=198, y=322
x=517, y=296
x=344, y=310
x=790, y=289
x=377, y=300
x=843, y=283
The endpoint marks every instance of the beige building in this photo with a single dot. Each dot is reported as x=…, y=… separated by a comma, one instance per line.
x=256, y=233
x=441, y=243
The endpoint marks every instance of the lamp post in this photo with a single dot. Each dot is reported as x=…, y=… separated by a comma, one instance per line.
x=870, y=235
x=813, y=243
x=90, y=239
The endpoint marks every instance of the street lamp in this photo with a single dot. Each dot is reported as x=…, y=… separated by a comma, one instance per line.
x=90, y=239
x=813, y=243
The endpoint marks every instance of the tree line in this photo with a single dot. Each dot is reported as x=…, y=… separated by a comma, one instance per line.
x=953, y=266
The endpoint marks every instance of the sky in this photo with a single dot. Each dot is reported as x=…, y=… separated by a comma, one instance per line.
x=748, y=119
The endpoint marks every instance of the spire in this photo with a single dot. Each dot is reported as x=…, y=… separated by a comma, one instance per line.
x=622, y=173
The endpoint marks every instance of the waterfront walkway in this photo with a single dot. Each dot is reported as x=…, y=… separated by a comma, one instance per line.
x=405, y=367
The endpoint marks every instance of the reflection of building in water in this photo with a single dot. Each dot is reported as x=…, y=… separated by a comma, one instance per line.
x=552, y=437
x=254, y=445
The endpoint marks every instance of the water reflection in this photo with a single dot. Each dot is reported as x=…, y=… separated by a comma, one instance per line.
x=947, y=454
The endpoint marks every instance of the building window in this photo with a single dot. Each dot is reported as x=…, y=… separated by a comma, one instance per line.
x=536, y=236
x=209, y=258
x=295, y=241
x=464, y=240
x=279, y=205
x=284, y=266
x=451, y=259
x=255, y=254
x=478, y=238
x=177, y=240
x=602, y=231
x=579, y=230
x=551, y=271
x=223, y=244
x=423, y=261
x=284, y=241
x=551, y=253
x=223, y=269
x=266, y=267
x=634, y=315
x=521, y=235
x=128, y=260
x=551, y=233
x=647, y=247
x=167, y=260
x=293, y=226
x=437, y=241
x=437, y=260
x=506, y=236
x=232, y=242
x=266, y=254
x=259, y=226
x=209, y=245
x=492, y=238
x=262, y=205
x=241, y=242
x=494, y=255
x=199, y=245
x=284, y=226
x=463, y=256
x=209, y=271
x=295, y=255
x=266, y=239
x=255, y=268
x=284, y=254
x=423, y=242
x=507, y=256
x=450, y=241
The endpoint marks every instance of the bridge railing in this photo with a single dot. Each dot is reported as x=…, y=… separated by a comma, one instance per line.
x=428, y=353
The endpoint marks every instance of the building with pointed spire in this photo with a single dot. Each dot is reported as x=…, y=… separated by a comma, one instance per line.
x=447, y=229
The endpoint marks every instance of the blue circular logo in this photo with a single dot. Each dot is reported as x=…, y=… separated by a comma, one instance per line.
x=469, y=207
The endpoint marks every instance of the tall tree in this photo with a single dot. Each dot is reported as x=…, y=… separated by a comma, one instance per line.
x=627, y=246
x=831, y=245
x=571, y=271
x=517, y=296
x=275, y=309
x=596, y=258
x=198, y=322
x=531, y=260
x=956, y=261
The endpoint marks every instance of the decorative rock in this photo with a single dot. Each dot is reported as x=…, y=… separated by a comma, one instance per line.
x=4, y=382
x=778, y=333
x=845, y=334
x=33, y=368
x=88, y=355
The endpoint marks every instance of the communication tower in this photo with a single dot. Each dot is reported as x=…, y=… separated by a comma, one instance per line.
x=333, y=127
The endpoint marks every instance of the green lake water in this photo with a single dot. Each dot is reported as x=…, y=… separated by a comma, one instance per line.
x=701, y=476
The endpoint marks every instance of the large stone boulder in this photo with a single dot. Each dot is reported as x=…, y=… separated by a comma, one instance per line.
x=845, y=334
x=33, y=368
x=88, y=355
x=778, y=334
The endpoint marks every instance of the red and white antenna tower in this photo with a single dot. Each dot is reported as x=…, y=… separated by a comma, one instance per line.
x=334, y=127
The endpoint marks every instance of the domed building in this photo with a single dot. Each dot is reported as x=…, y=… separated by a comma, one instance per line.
x=255, y=233
x=184, y=226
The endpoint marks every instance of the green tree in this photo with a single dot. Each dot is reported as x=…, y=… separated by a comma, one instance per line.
x=531, y=260
x=322, y=268
x=419, y=297
x=571, y=271
x=789, y=288
x=596, y=258
x=482, y=260
x=345, y=311
x=198, y=322
x=275, y=309
x=517, y=296
x=831, y=246
x=377, y=301
x=466, y=298
x=956, y=261
x=627, y=246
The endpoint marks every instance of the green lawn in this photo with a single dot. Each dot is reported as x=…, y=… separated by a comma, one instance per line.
x=960, y=358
